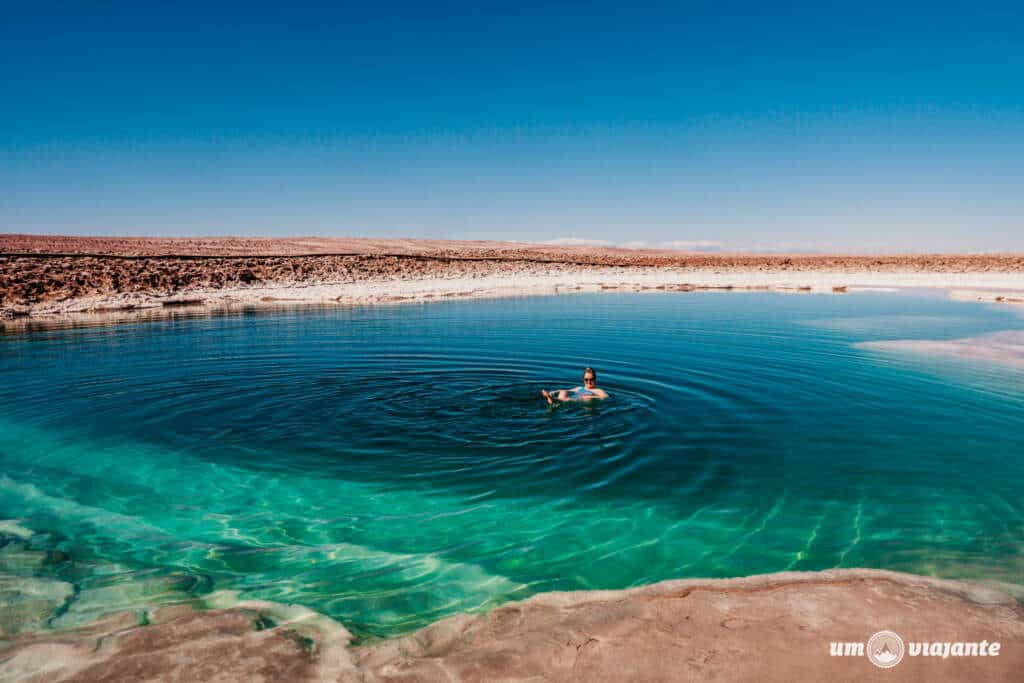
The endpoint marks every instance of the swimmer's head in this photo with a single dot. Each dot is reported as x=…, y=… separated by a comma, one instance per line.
x=589, y=377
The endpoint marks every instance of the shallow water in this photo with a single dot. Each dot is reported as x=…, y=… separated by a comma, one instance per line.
x=390, y=466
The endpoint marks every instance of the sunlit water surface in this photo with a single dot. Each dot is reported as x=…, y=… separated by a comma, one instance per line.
x=391, y=466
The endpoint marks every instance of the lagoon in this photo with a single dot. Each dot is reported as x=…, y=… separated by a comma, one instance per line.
x=389, y=466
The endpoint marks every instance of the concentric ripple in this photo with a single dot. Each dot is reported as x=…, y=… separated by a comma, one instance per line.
x=390, y=466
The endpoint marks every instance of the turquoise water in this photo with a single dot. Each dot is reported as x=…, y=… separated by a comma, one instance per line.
x=390, y=466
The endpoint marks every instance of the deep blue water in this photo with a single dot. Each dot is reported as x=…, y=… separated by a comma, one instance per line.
x=389, y=466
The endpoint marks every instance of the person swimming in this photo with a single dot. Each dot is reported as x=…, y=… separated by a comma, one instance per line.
x=587, y=392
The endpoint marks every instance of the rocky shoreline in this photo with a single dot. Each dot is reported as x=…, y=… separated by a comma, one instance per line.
x=774, y=627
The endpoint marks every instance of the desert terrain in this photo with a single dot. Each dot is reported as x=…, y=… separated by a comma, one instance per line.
x=43, y=276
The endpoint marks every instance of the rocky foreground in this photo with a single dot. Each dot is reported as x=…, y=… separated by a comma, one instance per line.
x=776, y=627
x=54, y=275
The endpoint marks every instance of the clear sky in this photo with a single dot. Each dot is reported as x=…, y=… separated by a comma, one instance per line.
x=858, y=127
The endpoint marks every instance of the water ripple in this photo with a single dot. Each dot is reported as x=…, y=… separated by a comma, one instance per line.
x=389, y=467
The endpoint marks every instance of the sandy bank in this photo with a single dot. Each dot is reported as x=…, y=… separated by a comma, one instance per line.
x=999, y=347
x=775, y=627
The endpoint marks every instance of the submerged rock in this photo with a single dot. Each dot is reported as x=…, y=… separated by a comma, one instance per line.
x=17, y=558
x=14, y=529
x=129, y=594
x=200, y=646
x=27, y=603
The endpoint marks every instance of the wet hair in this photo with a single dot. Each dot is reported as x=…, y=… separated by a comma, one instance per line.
x=591, y=371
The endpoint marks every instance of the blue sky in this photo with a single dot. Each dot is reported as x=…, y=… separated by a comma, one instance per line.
x=770, y=126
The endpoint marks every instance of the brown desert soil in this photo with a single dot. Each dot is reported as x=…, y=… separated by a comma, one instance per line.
x=40, y=269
